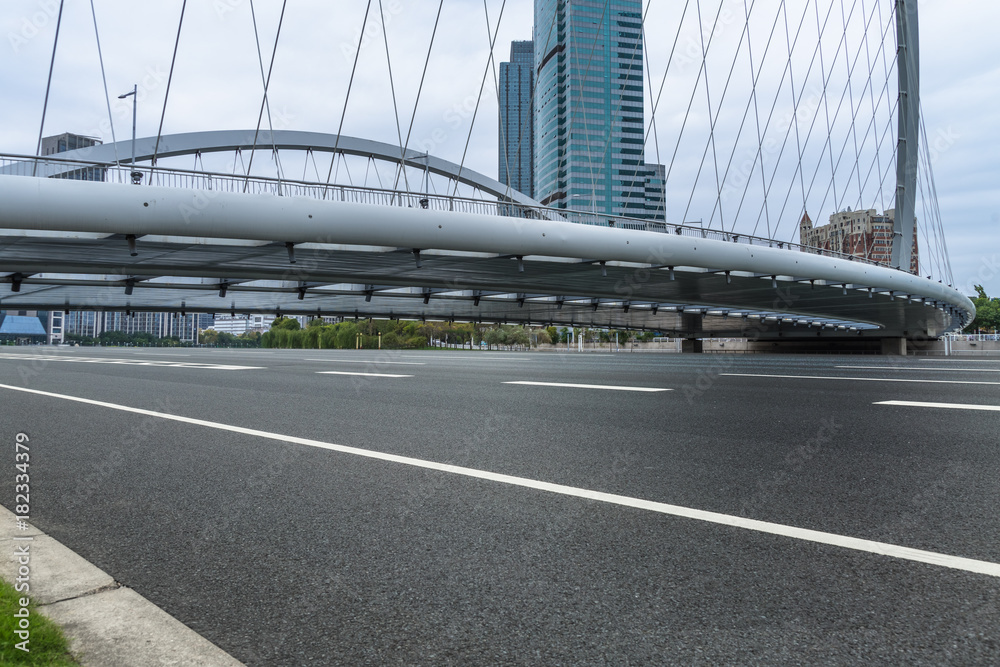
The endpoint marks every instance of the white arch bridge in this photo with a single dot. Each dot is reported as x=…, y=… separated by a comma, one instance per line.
x=187, y=241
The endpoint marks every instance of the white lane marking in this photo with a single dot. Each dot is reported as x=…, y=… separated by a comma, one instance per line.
x=835, y=377
x=958, y=357
x=130, y=362
x=372, y=362
x=371, y=375
x=587, y=386
x=854, y=543
x=936, y=370
x=953, y=406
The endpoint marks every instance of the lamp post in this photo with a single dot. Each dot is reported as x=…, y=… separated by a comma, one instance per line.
x=136, y=175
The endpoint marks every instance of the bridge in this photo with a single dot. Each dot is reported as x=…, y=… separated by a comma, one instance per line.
x=153, y=237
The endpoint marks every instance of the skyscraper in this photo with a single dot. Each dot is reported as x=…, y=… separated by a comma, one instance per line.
x=517, y=137
x=589, y=125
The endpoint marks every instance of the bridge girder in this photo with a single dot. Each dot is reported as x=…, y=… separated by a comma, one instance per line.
x=71, y=251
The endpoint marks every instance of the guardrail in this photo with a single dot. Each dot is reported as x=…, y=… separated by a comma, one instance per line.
x=54, y=167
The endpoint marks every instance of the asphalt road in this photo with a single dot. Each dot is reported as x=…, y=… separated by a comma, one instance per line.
x=295, y=553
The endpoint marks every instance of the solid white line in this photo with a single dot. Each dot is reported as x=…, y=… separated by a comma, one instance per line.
x=953, y=406
x=371, y=375
x=854, y=543
x=587, y=386
x=834, y=377
x=937, y=370
x=373, y=363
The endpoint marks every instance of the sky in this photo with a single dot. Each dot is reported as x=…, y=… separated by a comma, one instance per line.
x=218, y=83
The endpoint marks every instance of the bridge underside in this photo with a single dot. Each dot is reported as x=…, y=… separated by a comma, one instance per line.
x=197, y=275
x=68, y=245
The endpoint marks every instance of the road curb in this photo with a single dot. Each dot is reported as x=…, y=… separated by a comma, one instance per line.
x=107, y=624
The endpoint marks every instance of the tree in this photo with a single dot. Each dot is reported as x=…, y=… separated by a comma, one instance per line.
x=286, y=323
x=987, y=312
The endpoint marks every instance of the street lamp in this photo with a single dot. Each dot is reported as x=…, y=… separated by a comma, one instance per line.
x=136, y=175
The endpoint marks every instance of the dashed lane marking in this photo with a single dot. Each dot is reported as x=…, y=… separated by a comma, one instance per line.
x=587, y=386
x=128, y=362
x=371, y=362
x=935, y=370
x=837, y=377
x=951, y=406
x=371, y=375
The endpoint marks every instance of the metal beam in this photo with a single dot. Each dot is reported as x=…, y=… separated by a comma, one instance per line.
x=908, y=120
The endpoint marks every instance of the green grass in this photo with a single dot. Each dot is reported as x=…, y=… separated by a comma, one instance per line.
x=46, y=642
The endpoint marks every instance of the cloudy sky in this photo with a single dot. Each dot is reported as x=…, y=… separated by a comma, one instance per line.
x=217, y=84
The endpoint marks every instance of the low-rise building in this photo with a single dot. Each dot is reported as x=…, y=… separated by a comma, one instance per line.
x=861, y=233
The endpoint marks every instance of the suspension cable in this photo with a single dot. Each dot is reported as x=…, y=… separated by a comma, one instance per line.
x=166, y=95
x=395, y=107
x=416, y=102
x=48, y=87
x=264, y=104
x=104, y=78
x=482, y=85
x=347, y=97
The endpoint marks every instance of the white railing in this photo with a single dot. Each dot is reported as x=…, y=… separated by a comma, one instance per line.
x=55, y=167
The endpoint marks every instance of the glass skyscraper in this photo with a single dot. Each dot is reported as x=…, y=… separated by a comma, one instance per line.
x=517, y=137
x=589, y=125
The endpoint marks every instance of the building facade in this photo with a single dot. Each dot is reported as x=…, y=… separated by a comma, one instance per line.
x=159, y=325
x=67, y=141
x=517, y=136
x=589, y=117
x=861, y=233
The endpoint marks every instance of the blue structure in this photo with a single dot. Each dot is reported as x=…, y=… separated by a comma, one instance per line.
x=517, y=136
x=589, y=125
x=22, y=329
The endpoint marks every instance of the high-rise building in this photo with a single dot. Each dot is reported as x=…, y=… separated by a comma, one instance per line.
x=517, y=137
x=589, y=124
x=861, y=233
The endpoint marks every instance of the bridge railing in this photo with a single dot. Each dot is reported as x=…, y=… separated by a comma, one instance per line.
x=54, y=167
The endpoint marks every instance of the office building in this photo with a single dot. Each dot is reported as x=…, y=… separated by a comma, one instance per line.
x=69, y=142
x=517, y=136
x=589, y=118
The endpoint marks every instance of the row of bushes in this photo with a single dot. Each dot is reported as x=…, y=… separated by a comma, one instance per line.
x=286, y=333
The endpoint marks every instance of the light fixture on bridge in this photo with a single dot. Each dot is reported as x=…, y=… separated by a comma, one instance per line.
x=290, y=247
x=15, y=282
x=135, y=174
x=129, y=285
x=416, y=257
x=130, y=239
x=223, y=286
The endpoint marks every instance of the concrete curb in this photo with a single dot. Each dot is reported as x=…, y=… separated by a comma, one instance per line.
x=106, y=623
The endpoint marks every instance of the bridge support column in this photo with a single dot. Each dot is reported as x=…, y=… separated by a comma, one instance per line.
x=692, y=345
x=894, y=346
